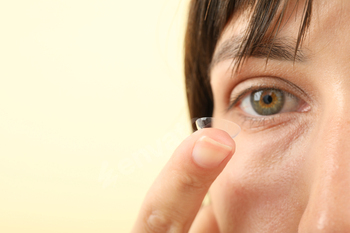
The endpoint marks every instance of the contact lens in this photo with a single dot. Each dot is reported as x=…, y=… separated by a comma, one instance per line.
x=210, y=122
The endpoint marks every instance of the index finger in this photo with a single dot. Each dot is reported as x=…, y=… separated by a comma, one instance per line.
x=176, y=196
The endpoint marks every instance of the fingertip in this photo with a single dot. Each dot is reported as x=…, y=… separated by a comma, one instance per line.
x=209, y=153
x=218, y=135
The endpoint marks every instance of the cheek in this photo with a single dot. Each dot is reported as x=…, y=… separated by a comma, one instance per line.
x=263, y=185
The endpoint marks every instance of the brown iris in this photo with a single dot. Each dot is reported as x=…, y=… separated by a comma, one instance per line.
x=267, y=102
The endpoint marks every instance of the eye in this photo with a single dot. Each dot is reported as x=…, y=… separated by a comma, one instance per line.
x=265, y=102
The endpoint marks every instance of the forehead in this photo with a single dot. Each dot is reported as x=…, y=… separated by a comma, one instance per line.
x=329, y=25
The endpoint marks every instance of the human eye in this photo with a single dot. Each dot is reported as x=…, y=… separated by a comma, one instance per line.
x=267, y=104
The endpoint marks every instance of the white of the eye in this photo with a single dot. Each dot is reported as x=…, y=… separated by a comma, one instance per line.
x=247, y=107
x=291, y=104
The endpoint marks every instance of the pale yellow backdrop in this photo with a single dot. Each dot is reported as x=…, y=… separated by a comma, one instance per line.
x=92, y=105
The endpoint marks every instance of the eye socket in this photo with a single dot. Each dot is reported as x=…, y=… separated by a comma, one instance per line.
x=265, y=102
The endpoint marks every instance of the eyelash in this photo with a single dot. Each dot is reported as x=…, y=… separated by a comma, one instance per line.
x=256, y=122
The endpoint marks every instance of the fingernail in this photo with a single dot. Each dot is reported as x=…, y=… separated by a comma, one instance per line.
x=208, y=153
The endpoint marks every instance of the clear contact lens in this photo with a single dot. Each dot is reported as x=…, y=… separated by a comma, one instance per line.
x=210, y=122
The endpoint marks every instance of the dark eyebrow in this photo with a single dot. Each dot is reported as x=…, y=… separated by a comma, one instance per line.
x=283, y=49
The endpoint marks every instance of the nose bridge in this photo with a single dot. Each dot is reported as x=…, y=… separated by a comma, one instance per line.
x=328, y=208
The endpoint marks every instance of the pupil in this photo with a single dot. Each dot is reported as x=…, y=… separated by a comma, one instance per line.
x=267, y=99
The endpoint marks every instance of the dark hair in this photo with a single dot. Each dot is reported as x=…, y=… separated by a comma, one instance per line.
x=206, y=21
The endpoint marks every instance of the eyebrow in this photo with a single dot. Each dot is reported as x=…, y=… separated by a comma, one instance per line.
x=281, y=49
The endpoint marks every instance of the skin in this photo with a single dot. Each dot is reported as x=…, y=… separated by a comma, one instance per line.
x=289, y=174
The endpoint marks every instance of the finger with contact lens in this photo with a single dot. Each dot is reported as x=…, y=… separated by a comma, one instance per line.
x=210, y=122
x=175, y=197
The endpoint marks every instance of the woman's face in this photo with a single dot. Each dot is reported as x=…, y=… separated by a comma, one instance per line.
x=291, y=169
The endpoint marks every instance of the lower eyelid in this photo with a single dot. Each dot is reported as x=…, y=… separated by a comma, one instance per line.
x=266, y=122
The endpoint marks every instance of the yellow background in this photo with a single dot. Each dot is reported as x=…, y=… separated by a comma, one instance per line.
x=92, y=104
